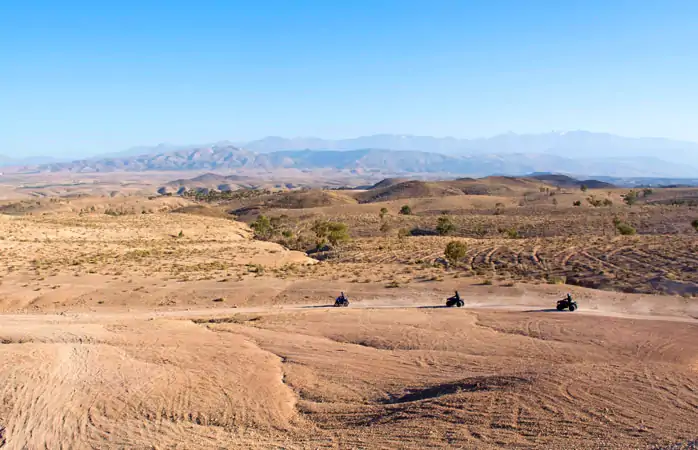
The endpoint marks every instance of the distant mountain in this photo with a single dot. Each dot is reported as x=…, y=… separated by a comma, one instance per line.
x=574, y=144
x=207, y=158
x=395, y=162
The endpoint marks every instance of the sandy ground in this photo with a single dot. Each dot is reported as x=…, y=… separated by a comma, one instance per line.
x=389, y=372
x=125, y=333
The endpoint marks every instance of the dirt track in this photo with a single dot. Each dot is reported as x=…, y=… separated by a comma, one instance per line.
x=372, y=375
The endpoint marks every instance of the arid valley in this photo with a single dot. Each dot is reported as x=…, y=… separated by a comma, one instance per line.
x=137, y=319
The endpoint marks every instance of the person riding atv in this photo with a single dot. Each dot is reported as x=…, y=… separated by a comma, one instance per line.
x=567, y=303
x=455, y=301
x=342, y=300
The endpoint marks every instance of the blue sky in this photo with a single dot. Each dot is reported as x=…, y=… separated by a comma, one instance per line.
x=81, y=78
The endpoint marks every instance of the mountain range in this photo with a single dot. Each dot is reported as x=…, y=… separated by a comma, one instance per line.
x=578, y=153
x=572, y=144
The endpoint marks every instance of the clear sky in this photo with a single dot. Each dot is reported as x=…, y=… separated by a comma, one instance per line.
x=91, y=77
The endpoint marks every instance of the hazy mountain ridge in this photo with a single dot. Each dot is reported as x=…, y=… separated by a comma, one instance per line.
x=542, y=155
x=568, y=144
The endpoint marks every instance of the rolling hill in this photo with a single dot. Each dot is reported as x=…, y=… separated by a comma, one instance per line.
x=498, y=186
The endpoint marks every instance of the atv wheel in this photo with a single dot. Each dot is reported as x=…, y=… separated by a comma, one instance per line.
x=460, y=303
x=572, y=308
x=560, y=307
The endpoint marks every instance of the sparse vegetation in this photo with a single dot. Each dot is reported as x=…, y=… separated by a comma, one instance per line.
x=333, y=233
x=262, y=227
x=695, y=224
x=445, y=226
x=455, y=251
x=406, y=210
x=630, y=198
x=624, y=228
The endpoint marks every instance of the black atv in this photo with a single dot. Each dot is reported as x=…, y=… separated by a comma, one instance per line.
x=341, y=301
x=566, y=303
x=454, y=301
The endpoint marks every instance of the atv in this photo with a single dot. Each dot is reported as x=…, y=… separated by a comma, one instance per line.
x=342, y=300
x=454, y=301
x=567, y=303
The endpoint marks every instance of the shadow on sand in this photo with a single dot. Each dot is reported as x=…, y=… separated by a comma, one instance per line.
x=318, y=306
x=543, y=310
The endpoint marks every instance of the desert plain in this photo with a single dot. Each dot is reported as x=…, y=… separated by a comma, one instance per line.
x=130, y=319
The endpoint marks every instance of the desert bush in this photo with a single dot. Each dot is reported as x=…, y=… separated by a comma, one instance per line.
x=262, y=227
x=406, y=210
x=593, y=201
x=607, y=202
x=455, y=251
x=630, y=198
x=512, y=233
x=584, y=188
x=694, y=224
x=383, y=212
x=332, y=232
x=445, y=226
x=625, y=229
x=385, y=228
x=577, y=203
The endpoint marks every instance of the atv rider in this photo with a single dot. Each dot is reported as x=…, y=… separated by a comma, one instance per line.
x=457, y=297
x=569, y=298
x=342, y=298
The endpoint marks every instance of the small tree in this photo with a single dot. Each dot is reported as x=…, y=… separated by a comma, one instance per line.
x=262, y=227
x=630, y=198
x=455, y=251
x=577, y=203
x=332, y=232
x=383, y=212
x=625, y=229
x=406, y=210
x=584, y=188
x=695, y=224
x=445, y=226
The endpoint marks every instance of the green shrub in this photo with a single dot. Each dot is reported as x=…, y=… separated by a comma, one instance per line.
x=455, y=251
x=406, y=210
x=262, y=227
x=625, y=229
x=332, y=232
x=445, y=226
x=630, y=198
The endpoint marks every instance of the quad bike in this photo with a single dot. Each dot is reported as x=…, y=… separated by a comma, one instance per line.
x=341, y=301
x=567, y=303
x=454, y=301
